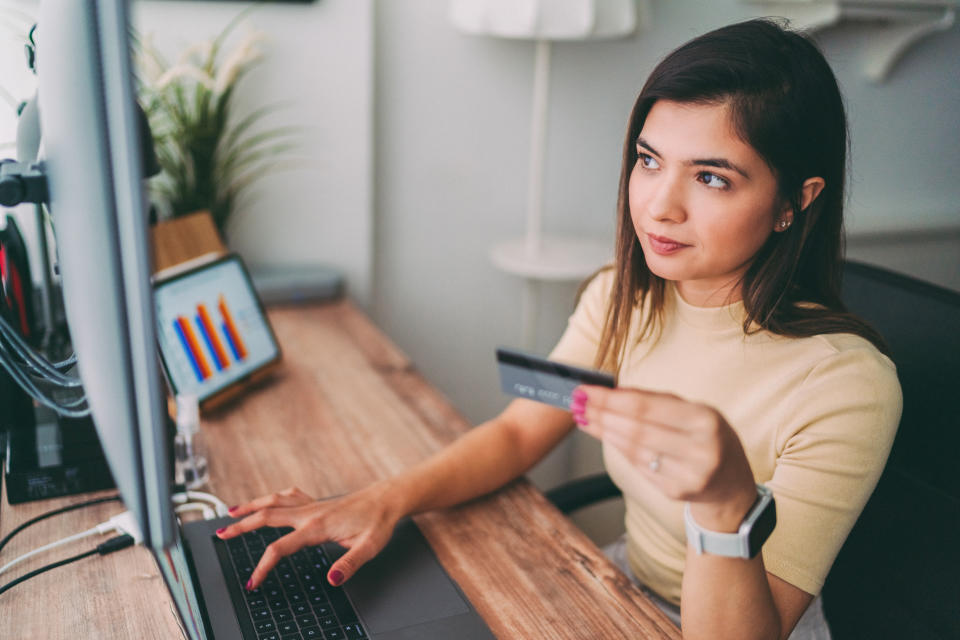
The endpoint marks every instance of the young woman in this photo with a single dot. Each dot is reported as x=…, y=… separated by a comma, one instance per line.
x=740, y=374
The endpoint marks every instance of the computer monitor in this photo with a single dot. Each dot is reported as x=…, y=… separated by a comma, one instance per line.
x=91, y=148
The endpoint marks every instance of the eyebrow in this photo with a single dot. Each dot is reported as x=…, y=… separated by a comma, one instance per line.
x=719, y=163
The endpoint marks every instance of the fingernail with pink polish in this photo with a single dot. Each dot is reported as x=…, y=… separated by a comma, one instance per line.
x=579, y=419
x=221, y=530
x=578, y=406
x=233, y=508
x=579, y=395
x=336, y=578
x=250, y=584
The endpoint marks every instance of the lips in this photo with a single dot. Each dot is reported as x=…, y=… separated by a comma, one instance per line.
x=664, y=246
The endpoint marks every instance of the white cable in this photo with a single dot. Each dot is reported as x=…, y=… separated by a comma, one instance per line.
x=124, y=523
x=102, y=528
x=218, y=504
x=208, y=513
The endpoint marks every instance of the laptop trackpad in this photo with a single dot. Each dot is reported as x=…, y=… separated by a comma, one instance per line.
x=404, y=585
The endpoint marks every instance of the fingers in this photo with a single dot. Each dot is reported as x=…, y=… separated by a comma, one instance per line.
x=651, y=406
x=291, y=497
x=276, y=551
x=348, y=564
x=639, y=437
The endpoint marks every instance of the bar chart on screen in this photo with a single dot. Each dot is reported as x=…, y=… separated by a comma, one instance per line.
x=212, y=330
x=218, y=335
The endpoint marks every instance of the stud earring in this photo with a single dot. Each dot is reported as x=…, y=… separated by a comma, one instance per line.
x=783, y=224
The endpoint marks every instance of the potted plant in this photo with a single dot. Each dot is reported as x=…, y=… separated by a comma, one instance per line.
x=209, y=155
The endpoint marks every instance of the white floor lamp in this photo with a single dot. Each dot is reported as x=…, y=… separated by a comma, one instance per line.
x=538, y=257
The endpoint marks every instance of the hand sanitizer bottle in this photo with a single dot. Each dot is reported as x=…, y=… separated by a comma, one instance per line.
x=189, y=445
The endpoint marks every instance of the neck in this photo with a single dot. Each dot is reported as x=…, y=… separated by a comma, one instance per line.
x=709, y=294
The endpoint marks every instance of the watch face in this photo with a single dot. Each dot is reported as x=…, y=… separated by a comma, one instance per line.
x=762, y=528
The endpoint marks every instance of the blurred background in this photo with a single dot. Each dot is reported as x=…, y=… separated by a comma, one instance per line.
x=412, y=160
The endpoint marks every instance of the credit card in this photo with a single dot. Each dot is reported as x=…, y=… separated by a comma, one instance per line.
x=528, y=376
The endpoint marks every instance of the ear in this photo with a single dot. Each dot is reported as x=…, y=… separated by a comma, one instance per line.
x=808, y=193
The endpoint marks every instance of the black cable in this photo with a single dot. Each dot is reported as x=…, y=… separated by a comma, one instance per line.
x=55, y=512
x=113, y=544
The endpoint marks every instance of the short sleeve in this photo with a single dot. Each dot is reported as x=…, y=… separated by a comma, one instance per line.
x=580, y=341
x=830, y=455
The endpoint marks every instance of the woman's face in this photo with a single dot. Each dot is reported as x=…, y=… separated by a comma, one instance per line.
x=702, y=200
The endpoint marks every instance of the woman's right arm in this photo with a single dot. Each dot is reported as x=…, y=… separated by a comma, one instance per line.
x=482, y=460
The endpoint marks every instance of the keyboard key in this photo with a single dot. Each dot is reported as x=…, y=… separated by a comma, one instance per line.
x=301, y=565
x=235, y=543
x=260, y=614
x=270, y=635
x=328, y=623
x=300, y=609
x=333, y=634
x=323, y=609
x=287, y=627
x=256, y=602
x=265, y=625
x=282, y=615
x=306, y=621
x=354, y=631
x=312, y=633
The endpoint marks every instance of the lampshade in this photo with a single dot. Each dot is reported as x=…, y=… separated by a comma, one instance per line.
x=545, y=19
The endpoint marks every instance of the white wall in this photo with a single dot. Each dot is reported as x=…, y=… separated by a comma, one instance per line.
x=416, y=140
x=318, y=58
x=452, y=131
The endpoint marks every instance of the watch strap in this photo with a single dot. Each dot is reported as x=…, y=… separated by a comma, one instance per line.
x=731, y=545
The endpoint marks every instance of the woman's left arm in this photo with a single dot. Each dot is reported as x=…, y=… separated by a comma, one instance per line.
x=690, y=453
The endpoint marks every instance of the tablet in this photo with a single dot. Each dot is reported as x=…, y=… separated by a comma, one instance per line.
x=214, y=335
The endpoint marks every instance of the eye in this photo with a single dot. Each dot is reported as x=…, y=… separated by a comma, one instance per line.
x=647, y=161
x=713, y=181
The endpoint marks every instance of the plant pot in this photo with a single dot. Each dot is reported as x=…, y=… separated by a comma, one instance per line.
x=184, y=238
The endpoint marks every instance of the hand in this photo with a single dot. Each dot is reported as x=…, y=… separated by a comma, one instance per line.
x=687, y=450
x=362, y=522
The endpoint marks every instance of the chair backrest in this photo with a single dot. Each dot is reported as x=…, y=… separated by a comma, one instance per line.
x=898, y=574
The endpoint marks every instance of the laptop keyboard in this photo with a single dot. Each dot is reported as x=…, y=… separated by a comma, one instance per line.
x=294, y=601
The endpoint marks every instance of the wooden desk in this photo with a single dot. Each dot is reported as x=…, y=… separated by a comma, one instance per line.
x=346, y=408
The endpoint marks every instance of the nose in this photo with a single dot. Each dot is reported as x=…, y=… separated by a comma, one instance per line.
x=665, y=200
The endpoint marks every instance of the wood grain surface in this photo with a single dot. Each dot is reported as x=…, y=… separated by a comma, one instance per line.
x=345, y=408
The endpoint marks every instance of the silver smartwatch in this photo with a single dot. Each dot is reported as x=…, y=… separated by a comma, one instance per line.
x=756, y=527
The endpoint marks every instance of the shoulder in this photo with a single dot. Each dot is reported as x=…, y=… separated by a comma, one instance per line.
x=852, y=355
x=595, y=294
x=845, y=374
x=598, y=288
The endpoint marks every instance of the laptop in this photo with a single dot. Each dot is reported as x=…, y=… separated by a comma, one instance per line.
x=214, y=337
x=403, y=593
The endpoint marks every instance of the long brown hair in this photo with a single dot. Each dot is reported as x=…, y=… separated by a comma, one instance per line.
x=784, y=101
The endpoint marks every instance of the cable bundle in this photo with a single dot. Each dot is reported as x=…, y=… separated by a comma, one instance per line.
x=47, y=382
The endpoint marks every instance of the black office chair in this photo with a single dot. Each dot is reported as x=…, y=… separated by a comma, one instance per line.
x=898, y=574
